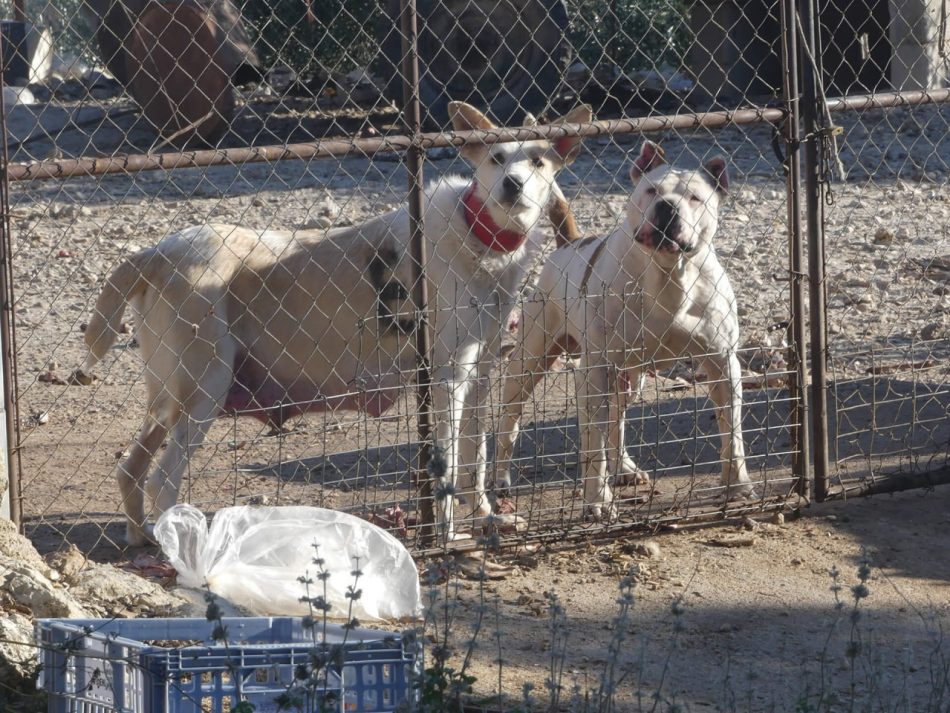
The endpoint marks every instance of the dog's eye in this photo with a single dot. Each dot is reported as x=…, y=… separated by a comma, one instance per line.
x=537, y=162
x=498, y=159
x=694, y=198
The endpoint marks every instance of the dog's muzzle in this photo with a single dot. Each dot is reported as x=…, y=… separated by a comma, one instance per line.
x=664, y=233
x=512, y=188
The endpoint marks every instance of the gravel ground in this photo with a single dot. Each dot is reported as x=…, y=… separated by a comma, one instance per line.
x=756, y=615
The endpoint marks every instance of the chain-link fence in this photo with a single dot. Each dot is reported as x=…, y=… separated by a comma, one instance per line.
x=272, y=350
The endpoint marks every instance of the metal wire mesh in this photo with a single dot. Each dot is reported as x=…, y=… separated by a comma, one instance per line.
x=302, y=330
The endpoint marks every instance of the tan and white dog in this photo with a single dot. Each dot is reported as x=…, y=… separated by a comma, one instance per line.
x=274, y=324
x=653, y=289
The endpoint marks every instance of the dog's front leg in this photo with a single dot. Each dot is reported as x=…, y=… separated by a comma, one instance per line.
x=473, y=448
x=593, y=402
x=451, y=384
x=725, y=390
x=630, y=384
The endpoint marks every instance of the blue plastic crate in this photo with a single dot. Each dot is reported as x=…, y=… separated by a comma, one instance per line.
x=173, y=665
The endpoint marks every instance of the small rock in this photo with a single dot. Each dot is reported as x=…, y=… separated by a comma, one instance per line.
x=327, y=207
x=67, y=561
x=778, y=518
x=649, y=548
x=747, y=541
x=749, y=524
x=883, y=236
x=258, y=500
x=320, y=222
x=63, y=254
x=934, y=330
x=49, y=377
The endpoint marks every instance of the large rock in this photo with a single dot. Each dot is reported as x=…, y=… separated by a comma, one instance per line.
x=17, y=650
x=16, y=547
x=108, y=591
x=31, y=589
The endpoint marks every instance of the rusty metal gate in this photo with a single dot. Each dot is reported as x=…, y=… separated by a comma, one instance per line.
x=313, y=118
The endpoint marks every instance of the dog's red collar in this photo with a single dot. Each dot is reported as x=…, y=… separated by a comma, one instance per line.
x=486, y=229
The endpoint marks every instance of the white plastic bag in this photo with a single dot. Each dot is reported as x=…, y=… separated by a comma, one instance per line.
x=255, y=557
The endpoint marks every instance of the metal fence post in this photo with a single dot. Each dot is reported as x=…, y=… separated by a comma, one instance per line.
x=414, y=159
x=9, y=477
x=815, y=219
x=801, y=464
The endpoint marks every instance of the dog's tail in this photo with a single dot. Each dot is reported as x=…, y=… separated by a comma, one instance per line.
x=123, y=284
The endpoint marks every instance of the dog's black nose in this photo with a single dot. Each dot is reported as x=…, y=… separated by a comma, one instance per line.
x=666, y=221
x=512, y=187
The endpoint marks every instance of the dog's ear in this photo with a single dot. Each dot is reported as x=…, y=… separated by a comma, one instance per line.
x=465, y=117
x=651, y=156
x=718, y=174
x=568, y=147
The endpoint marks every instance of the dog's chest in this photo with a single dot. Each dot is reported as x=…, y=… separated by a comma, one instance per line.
x=462, y=268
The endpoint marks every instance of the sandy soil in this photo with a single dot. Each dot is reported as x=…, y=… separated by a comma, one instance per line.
x=755, y=618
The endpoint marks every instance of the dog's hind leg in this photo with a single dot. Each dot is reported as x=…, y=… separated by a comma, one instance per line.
x=725, y=390
x=187, y=435
x=532, y=357
x=198, y=412
x=593, y=406
x=132, y=471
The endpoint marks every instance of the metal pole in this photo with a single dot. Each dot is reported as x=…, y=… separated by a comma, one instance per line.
x=797, y=329
x=9, y=454
x=415, y=155
x=332, y=148
x=814, y=206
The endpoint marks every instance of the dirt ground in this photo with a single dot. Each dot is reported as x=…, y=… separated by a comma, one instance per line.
x=758, y=617
x=889, y=332
x=755, y=617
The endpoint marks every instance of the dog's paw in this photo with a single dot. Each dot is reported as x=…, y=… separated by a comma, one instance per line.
x=140, y=536
x=502, y=484
x=740, y=491
x=504, y=524
x=631, y=475
x=80, y=378
x=600, y=512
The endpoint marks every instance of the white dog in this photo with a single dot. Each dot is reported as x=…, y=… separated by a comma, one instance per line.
x=274, y=324
x=651, y=290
